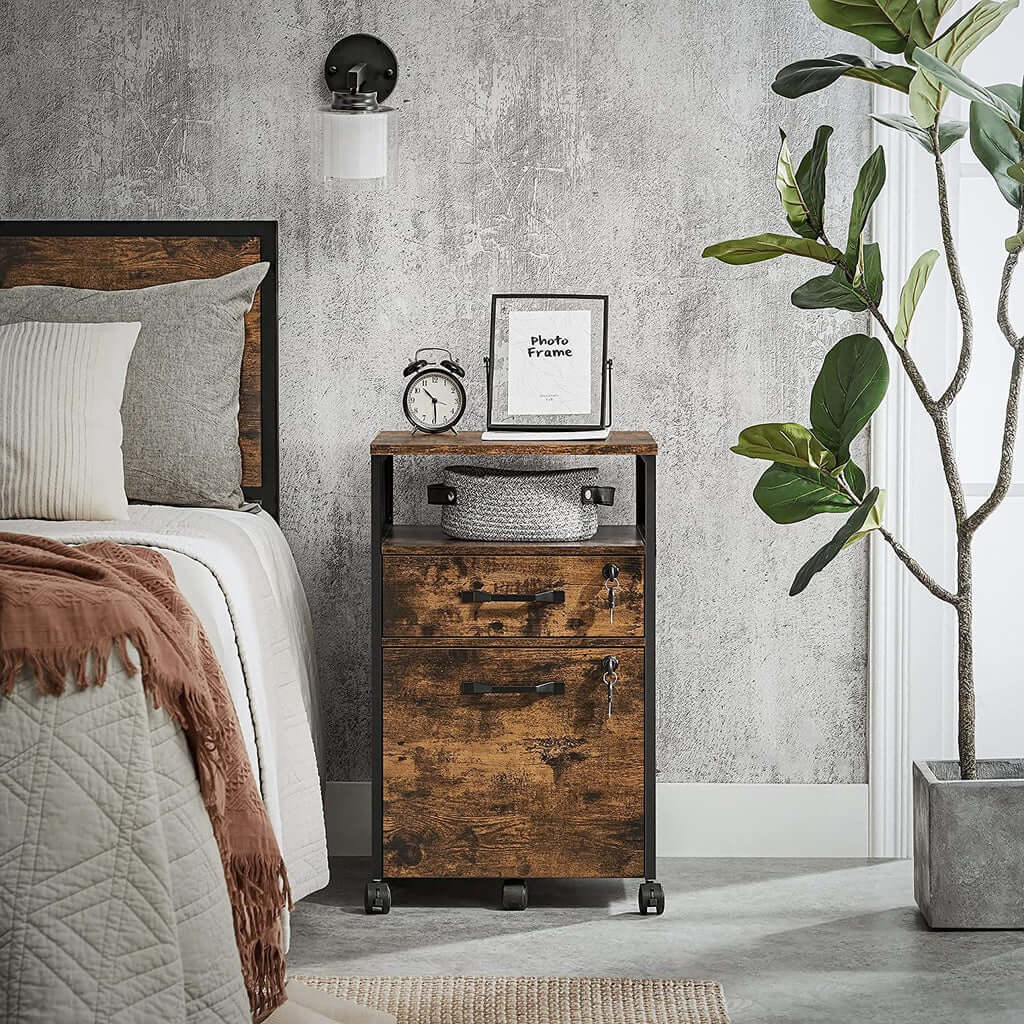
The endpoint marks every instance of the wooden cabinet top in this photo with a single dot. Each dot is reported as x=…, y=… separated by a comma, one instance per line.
x=468, y=443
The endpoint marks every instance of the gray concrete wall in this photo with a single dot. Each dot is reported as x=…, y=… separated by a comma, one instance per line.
x=545, y=146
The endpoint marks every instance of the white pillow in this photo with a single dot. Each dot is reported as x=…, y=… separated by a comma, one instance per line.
x=60, y=420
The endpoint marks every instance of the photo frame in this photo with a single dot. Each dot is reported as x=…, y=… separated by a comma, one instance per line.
x=548, y=366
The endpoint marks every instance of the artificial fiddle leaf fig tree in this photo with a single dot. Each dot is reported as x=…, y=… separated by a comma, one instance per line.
x=811, y=471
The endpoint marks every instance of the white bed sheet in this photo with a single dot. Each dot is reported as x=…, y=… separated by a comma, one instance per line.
x=237, y=572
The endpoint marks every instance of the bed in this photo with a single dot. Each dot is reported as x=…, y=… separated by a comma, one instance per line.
x=112, y=899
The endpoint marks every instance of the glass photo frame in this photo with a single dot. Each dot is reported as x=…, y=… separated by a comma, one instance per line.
x=547, y=369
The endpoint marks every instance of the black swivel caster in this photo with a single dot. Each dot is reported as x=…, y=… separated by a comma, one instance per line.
x=651, y=897
x=377, y=898
x=513, y=895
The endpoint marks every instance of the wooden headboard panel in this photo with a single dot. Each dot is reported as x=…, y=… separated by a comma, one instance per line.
x=136, y=254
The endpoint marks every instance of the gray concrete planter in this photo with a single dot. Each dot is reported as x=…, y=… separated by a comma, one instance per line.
x=969, y=844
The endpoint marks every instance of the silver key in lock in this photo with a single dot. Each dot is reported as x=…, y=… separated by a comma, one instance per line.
x=610, y=677
x=611, y=582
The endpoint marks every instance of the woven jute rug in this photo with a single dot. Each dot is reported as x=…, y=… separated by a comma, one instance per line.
x=534, y=1000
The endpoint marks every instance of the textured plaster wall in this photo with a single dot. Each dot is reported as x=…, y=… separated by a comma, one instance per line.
x=545, y=146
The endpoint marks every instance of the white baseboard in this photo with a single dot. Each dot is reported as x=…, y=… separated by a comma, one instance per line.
x=694, y=820
x=738, y=819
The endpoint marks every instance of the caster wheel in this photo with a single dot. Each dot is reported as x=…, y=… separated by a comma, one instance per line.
x=651, y=897
x=377, y=898
x=513, y=896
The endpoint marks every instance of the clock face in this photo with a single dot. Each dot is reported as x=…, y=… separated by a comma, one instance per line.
x=434, y=400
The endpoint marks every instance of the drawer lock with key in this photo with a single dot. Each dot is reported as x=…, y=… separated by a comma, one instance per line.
x=610, y=678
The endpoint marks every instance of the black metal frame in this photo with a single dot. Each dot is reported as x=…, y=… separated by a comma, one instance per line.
x=268, y=493
x=382, y=491
x=646, y=523
x=606, y=368
x=382, y=486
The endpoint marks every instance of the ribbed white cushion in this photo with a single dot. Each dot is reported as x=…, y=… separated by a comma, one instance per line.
x=60, y=420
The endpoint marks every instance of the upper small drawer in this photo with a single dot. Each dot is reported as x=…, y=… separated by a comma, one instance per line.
x=521, y=595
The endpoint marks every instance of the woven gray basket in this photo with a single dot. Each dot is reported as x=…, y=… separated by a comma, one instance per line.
x=519, y=504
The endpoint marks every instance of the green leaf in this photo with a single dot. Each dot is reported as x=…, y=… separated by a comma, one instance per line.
x=886, y=23
x=830, y=291
x=1015, y=243
x=958, y=82
x=869, y=185
x=925, y=22
x=855, y=478
x=853, y=380
x=873, y=521
x=798, y=212
x=788, y=443
x=791, y=494
x=929, y=13
x=741, y=251
x=869, y=271
x=806, y=76
x=949, y=131
x=927, y=93
x=1016, y=172
x=810, y=175
x=911, y=295
x=996, y=145
x=825, y=554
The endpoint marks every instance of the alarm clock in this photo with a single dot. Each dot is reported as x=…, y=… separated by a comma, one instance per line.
x=435, y=398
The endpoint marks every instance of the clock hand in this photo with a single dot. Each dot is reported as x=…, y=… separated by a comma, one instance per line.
x=429, y=395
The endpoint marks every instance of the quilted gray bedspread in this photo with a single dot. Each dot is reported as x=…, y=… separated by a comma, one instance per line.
x=113, y=906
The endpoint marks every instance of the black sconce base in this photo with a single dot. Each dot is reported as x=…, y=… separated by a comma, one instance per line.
x=361, y=64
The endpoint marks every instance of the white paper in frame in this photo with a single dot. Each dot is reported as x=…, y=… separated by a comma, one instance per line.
x=549, y=362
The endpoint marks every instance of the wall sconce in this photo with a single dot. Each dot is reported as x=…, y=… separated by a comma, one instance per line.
x=360, y=71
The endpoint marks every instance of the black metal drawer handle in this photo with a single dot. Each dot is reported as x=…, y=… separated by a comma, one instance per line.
x=542, y=688
x=544, y=597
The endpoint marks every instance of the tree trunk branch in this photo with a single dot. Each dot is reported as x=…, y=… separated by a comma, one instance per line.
x=1005, y=475
x=1010, y=422
x=940, y=419
x=905, y=556
x=909, y=365
x=917, y=569
x=965, y=662
x=955, y=277
x=1003, y=309
x=936, y=411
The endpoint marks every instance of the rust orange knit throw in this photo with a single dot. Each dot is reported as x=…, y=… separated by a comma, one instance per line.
x=63, y=612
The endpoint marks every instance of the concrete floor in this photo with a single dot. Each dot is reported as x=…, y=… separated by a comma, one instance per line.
x=792, y=941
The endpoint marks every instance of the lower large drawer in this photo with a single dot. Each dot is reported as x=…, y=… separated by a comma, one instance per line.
x=506, y=783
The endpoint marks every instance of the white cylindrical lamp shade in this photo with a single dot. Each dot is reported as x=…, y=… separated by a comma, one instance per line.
x=355, y=143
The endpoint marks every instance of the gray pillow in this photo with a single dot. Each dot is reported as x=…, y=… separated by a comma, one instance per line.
x=180, y=408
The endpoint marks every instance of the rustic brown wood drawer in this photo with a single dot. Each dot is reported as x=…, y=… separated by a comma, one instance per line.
x=431, y=596
x=507, y=783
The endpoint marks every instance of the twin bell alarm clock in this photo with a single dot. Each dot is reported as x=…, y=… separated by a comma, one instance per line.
x=435, y=397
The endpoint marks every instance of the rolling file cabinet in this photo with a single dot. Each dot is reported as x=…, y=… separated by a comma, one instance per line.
x=513, y=698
